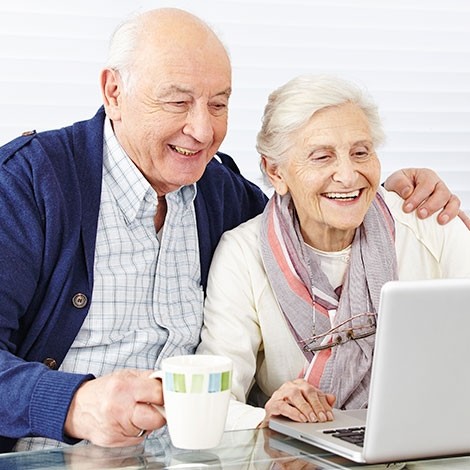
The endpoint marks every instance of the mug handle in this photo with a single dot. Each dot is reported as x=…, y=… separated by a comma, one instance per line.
x=158, y=374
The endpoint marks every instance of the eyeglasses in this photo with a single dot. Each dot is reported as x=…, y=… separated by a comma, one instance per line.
x=339, y=335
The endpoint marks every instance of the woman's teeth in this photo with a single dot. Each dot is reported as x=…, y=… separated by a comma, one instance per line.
x=351, y=195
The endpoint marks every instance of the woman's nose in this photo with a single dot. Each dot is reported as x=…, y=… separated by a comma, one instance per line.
x=345, y=172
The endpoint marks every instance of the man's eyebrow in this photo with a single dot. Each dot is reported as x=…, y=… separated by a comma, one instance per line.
x=180, y=89
x=226, y=92
x=174, y=88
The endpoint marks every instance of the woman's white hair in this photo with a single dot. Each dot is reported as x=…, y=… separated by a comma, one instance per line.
x=290, y=107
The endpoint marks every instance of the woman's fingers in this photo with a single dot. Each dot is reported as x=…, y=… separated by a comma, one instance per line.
x=300, y=401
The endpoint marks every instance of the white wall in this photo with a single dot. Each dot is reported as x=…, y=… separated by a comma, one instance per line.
x=413, y=55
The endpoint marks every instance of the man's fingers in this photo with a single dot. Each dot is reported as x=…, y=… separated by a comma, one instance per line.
x=443, y=199
x=424, y=191
x=124, y=409
x=427, y=198
x=400, y=183
x=465, y=218
x=146, y=416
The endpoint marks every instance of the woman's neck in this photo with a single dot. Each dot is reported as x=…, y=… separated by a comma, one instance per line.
x=330, y=240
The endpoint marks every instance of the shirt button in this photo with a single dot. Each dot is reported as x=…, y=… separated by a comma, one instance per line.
x=26, y=133
x=79, y=300
x=50, y=362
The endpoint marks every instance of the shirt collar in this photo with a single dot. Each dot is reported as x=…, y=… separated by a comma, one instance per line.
x=129, y=185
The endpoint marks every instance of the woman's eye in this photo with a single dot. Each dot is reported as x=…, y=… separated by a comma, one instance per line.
x=361, y=153
x=321, y=157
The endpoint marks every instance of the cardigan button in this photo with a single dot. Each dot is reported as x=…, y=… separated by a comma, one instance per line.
x=79, y=300
x=50, y=362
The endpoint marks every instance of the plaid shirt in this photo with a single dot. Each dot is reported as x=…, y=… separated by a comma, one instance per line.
x=147, y=299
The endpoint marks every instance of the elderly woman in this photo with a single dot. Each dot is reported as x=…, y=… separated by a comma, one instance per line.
x=314, y=262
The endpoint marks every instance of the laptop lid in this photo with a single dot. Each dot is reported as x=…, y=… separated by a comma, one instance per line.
x=420, y=383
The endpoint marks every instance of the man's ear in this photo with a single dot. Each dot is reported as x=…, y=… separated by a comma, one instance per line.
x=111, y=89
x=274, y=174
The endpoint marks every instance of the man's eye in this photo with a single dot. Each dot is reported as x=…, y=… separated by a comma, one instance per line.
x=176, y=106
x=218, y=108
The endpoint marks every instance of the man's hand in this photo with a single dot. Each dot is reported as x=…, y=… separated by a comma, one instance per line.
x=465, y=219
x=423, y=190
x=301, y=402
x=112, y=410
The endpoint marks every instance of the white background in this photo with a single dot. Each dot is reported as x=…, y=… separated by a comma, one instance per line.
x=413, y=55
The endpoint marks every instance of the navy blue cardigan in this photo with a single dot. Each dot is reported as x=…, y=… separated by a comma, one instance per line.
x=50, y=187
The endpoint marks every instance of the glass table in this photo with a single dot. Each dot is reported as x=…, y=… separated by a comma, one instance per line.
x=254, y=449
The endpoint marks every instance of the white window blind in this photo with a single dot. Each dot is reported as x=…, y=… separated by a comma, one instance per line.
x=413, y=55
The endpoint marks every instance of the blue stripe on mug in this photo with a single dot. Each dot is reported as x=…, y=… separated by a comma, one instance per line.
x=215, y=382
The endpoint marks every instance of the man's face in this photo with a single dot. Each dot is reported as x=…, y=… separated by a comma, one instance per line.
x=173, y=117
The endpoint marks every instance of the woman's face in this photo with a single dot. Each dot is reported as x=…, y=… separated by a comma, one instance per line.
x=332, y=174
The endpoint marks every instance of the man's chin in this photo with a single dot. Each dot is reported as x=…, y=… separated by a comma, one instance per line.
x=186, y=180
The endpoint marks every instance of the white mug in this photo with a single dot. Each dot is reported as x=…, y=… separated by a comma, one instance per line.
x=196, y=392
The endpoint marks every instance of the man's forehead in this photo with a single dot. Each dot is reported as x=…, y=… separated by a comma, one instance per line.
x=169, y=88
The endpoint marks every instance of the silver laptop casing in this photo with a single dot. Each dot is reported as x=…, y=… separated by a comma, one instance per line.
x=420, y=384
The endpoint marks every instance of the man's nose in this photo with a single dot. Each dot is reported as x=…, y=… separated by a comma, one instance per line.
x=199, y=124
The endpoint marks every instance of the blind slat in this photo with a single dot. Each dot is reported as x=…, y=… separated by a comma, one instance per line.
x=413, y=55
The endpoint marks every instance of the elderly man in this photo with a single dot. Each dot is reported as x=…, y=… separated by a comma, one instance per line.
x=108, y=230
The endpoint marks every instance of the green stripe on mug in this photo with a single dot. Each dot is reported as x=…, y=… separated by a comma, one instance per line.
x=197, y=383
x=179, y=383
x=226, y=385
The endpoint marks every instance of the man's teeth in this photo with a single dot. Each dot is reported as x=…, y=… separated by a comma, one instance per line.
x=183, y=151
x=351, y=195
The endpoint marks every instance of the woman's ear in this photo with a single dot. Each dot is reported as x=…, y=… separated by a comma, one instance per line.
x=275, y=175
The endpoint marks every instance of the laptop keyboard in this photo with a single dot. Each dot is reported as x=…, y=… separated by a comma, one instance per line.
x=352, y=435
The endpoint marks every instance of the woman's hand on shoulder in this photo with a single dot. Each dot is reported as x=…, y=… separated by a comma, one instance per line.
x=301, y=402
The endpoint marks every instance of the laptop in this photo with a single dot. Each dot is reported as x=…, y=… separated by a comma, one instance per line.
x=420, y=384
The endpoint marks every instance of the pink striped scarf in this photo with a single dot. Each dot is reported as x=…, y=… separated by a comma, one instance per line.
x=305, y=295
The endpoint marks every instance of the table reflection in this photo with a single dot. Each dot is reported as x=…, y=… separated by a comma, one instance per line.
x=253, y=449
